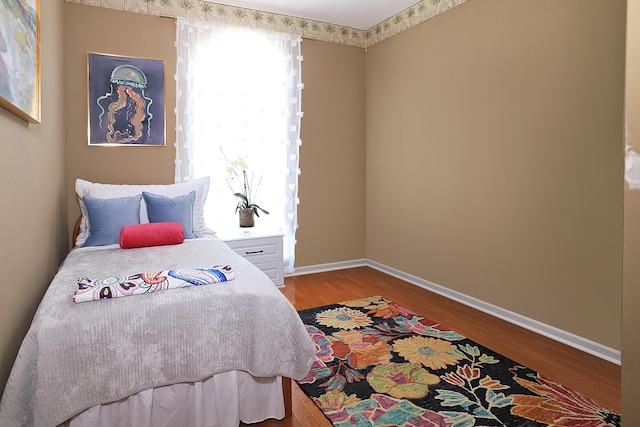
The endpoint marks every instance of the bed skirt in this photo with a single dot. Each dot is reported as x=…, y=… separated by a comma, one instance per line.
x=219, y=401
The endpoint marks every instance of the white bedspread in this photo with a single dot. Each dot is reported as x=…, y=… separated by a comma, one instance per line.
x=76, y=356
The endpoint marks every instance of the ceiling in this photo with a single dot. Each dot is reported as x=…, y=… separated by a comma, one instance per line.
x=360, y=14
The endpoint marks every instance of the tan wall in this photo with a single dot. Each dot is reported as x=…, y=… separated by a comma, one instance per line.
x=332, y=181
x=631, y=277
x=494, y=157
x=33, y=225
x=93, y=29
x=332, y=156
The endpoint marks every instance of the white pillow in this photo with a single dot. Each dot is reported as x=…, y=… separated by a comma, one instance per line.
x=112, y=191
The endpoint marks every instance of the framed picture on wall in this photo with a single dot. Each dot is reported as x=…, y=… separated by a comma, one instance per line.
x=126, y=101
x=20, y=58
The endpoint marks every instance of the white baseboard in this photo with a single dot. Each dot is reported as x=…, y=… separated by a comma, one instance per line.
x=320, y=268
x=588, y=346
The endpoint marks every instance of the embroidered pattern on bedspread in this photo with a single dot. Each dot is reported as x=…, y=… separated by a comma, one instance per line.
x=142, y=283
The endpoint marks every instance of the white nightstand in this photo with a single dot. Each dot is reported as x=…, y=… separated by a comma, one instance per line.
x=262, y=250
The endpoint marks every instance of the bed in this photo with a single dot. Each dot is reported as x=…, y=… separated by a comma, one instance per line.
x=209, y=355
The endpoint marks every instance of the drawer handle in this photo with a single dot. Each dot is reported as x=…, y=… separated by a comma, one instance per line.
x=254, y=252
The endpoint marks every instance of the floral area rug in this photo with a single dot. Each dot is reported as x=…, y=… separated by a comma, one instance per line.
x=379, y=364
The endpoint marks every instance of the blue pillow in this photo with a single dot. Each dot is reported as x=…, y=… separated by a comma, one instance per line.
x=172, y=209
x=108, y=216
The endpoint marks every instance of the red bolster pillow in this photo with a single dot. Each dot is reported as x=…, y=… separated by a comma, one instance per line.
x=152, y=234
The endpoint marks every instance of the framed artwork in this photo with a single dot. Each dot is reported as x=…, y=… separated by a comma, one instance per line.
x=20, y=58
x=126, y=101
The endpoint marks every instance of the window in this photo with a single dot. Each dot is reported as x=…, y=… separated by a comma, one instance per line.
x=239, y=95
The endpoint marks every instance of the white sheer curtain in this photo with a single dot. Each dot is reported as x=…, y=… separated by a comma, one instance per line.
x=239, y=95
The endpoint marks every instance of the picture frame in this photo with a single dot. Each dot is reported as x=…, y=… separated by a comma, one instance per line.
x=20, y=62
x=126, y=101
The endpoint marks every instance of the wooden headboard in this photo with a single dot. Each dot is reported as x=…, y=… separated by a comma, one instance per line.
x=76, y=230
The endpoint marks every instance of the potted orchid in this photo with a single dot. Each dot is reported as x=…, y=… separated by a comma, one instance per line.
x=242, y=186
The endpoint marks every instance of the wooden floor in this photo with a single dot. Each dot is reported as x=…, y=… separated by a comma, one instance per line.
x=580, y=371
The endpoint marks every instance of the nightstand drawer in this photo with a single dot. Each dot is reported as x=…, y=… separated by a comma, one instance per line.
x=263, y=251
x=274, y=271
x=258, y=250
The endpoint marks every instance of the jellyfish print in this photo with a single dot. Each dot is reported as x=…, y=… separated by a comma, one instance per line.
x=125, y=110
x=126, y=100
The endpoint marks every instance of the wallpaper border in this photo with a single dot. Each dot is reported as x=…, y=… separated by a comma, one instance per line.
x=306, y=28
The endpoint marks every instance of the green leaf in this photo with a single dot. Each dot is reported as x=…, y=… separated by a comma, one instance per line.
x=447, y=335
x=498, y=400
x=256, y=208
x=470, y=350
x=485, y=358
x=241, y=196
x=453, y=398
x=482, y=412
